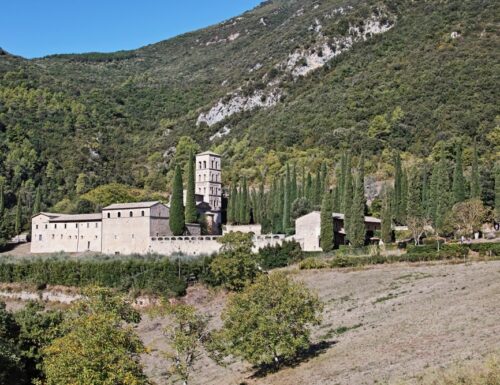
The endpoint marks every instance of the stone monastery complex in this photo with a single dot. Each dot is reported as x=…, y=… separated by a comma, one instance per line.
x=143, y=227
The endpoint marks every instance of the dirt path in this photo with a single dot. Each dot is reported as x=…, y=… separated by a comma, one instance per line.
x=400, y=320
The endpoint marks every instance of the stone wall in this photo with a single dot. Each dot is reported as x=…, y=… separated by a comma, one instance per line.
x=202, y=245
x=256, y=229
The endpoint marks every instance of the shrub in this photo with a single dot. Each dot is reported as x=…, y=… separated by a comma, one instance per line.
x=280, y=255
x=313, y=263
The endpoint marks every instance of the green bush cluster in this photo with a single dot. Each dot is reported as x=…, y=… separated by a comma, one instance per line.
x=282, y=255
x=447, y=251
x=150, y=275
x=486, y=249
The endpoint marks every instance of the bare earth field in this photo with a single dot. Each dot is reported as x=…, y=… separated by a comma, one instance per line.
x=400, y=320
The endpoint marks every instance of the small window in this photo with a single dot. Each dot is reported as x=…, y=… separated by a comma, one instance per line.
x=131, y=214
x=142, y=213
x=65, y=225
x=109, y=215
x=69, y=237
x=36, y=226
x=132, y=236
x=199, y=164
x=204, y=164
x=119, y=214
x=97, y=225
x=46, y=226
x=55, y=226
x=40, y=237
x=61, y=236
x=53, y=236
x=88, y=225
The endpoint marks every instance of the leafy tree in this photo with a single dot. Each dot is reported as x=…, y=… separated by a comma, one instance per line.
x=12, y=369
x=458, y=186
x=355, y=217
x=176, y=220
x=468, y=216
x=269, y=322
x=235, y=266
x=185, y=333
x=81, y=185
x=475, y=186
x=95, y=348
x=300, y=207
x=386, y=227
x=190, y=210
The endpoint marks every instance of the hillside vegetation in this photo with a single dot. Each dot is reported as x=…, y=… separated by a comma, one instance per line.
x=288, y=81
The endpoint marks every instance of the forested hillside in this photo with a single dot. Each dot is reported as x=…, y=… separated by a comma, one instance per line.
x=290, y=81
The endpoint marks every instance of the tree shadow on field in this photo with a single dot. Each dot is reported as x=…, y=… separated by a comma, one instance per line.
x=313, y=351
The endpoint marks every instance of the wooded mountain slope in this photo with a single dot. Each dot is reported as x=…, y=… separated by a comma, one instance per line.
x=288, y=81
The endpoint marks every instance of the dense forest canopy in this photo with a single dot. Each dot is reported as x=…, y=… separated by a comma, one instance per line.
x=429, y=82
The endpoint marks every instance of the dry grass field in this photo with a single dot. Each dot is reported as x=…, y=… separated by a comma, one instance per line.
x=381, y=324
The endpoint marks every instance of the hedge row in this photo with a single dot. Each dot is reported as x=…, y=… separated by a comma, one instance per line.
x=354, y=261
x=159, y=276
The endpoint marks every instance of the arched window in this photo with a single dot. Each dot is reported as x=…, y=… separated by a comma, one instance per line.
x=142, y=213
x=204, y=164
x=109, y=215
x=119, y=214
x=131, y=214
x=199, y=164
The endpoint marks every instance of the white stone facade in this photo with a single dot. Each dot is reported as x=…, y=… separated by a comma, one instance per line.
x=209, y=179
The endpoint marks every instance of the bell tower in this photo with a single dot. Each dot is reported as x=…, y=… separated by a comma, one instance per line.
x=209, y=179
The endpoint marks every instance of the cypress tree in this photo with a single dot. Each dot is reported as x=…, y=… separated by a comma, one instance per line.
x=497, y=193
x=18, y=222
x=38, y=201
x=335, y=200
x=177, y=220
x=458, y=177
x=326, y=231
x=244, y=206
x=262, y=203
x=293, y=189
x=404, y=195
x=254, y=206
x=237, y=205
x=317, y=194
x=415, y=212
x=286, y=200
x=425, y=189
x=386, y=228
x=324, y=177
x=440, y=193
x=190, y=210
x=2, y=201
x=309, y=189
x=356, y=230
x=347, y=189
x=231, y=205
x=397, y=204
x=475, y=187
x=341, y=183
x=303, y=183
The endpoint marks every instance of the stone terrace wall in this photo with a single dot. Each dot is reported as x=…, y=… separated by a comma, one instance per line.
x=202, y=245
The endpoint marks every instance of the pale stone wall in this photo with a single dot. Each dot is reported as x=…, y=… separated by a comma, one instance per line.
x=203, y=245
x=70, y=237
x=256, y=229
x=209, y=179
x=307, y=231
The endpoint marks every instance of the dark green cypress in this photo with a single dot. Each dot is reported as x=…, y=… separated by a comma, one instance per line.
x=425, y=189
x=2, y=201
x=348, y=186
x=19, y=214
x=326, y=230
x=414, y=200
x=386, y=228
x=475, y=186
x=497, y=192
x=335, y=200
x=190, y=211
x=244, y=206
x=231, y=205
x=286, y=199
x=458, y=177
x=177, y=220
x=309, y=188
x=440, y=193
x=356, y=230
x=341, y=182
x=38, y=201
x=303, y=183
x=317, y=194
x=294, y=194
x=404, y=195
x=397, y=204
x=324, y=177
